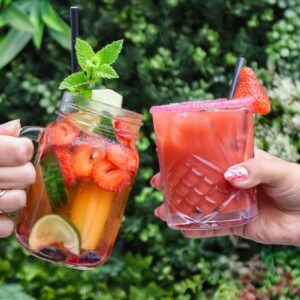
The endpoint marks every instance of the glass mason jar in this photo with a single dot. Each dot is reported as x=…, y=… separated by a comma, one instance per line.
x=86, y=162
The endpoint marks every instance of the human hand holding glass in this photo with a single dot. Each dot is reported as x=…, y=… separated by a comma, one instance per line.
x=16, y=173
x=278, y=187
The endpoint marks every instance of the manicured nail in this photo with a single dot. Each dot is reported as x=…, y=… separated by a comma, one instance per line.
x=236, y=174
x=14, y=124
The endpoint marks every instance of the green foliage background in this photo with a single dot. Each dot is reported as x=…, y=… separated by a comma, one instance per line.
x=174, y=50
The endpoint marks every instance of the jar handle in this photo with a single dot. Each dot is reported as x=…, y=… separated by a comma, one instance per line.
x=35, y=133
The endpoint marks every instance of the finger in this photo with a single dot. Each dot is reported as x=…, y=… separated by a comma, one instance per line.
x=6, y=226
x=156, y=181
x=17, y=177
x=11, y=128
x=258, y=153
x=256, y=171
x=13, y=200
x=196, y=234
x=15, y=151
x=161, y=212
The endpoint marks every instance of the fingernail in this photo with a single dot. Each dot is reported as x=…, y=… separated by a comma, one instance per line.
x=156, y=212
x=236, y=174
x=14, y=124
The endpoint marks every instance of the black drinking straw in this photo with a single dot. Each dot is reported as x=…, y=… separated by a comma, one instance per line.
x=74, y=32
x=238, y=65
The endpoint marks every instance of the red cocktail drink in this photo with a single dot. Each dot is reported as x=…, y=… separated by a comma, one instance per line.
x=197, y=142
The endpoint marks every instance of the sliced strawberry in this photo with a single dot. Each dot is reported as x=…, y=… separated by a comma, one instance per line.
x=83, y=158
x=64, y=160
x=109, y=177
x=122, y=157
x=62, y=133
x=122, y=132
x=249, y=86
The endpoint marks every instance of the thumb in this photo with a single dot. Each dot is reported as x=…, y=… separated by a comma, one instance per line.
x=255, y=171
x=11, y=128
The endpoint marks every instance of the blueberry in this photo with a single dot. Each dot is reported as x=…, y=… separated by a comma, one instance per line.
x=90, y=256
x=53, y=253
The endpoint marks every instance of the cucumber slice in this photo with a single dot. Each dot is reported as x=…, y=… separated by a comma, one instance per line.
x=105, y=125
x=52, y=229
x=106, y=96
x=54, y=184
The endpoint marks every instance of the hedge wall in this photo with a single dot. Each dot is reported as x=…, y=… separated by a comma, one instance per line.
x=174, y=50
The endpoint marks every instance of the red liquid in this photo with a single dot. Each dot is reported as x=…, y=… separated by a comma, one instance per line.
x=195, y=149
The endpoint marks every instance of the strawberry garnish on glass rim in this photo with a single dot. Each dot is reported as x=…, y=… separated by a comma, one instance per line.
x=249, y=86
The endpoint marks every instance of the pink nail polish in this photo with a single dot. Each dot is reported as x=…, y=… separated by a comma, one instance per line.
x=156, y=212
x=236, y=174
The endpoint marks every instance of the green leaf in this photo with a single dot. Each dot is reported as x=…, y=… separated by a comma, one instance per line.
x=2, y=21
x=4, y=3
x=13, y=292
x=38, y=36
x=109, y=54
x=51, y=18
x=39, y=25
x=85, y=92
x=12, y=44
x=106, y=71
x=73, y=81
x=63, y=38
x=18, y=19
x=84, y=52
x=25, y=5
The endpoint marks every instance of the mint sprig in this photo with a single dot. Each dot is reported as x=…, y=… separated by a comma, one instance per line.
x=94, y=66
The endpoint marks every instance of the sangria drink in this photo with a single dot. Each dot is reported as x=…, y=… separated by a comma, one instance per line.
x=197, y=142
x=86, y=164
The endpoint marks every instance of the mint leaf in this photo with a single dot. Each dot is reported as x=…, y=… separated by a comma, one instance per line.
x=109, y=54
x=84, y=53
x=106, y=71
x=85, y=92
x=74, y=80
x=94, y=66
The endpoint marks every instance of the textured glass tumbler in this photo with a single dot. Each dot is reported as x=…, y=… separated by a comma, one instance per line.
x=196, y=143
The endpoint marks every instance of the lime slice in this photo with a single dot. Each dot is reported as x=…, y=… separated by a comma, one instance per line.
x=52, y=229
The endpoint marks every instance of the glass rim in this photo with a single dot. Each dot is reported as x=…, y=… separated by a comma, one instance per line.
x=221, y=104
x=68, y=99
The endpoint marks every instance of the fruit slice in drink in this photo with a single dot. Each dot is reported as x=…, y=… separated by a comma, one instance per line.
x=89, y=213
x=53, y=229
